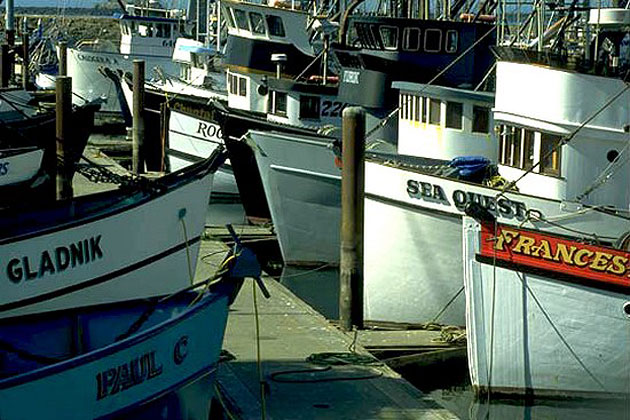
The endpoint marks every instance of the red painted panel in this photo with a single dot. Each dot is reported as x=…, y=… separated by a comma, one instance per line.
x=549, y=252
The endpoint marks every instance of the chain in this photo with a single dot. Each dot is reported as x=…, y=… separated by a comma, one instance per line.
x=100, y=174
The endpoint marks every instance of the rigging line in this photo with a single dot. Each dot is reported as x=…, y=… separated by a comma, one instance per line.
x=430, y=82
x=553, y=326
x=564, y=140
x=604, y=176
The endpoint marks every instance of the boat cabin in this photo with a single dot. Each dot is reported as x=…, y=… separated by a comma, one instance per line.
x=537, y=106
x=149, y=35
x=194, y=60
x=256, y=31
x=444, y=123
x=416, y=50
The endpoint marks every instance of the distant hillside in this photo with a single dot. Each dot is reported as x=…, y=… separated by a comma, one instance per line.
x=74, y=11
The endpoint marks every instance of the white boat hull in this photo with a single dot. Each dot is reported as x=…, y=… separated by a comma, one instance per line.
x=548, y=337
x=191, y=139
x=413, y=245
x=303, y=188
x=20, y=167
x=137, y=252
x=89, y=83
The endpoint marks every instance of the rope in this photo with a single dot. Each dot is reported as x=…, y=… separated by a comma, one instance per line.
x=261, y=382
x=188, y=259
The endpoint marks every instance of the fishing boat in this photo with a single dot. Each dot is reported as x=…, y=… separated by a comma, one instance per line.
x=146, y=33
x=28, y=140
x=547, y=314
x=136, y=359
x=117, y=245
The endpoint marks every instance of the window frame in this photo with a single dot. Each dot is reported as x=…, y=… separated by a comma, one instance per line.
x=250, y=15
x=427, y=34
x=407, y=36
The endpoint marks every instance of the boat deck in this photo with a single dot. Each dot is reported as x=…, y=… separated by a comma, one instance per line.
x=290, y=332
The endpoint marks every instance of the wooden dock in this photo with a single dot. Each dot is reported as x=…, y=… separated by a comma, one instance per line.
x=290, y=332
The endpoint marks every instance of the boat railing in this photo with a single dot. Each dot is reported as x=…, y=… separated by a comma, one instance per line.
x=570, y=62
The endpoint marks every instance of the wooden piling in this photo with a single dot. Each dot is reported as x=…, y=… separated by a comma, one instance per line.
x=5, y=65
x=25, y=62
x=352, y=192
x=138, y=120
x=63, y=58
x=63, y=87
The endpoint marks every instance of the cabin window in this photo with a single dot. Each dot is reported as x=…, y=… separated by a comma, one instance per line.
x=411, y=39
x=227, y=12
x=257, y=22
x=167, y=31
x=242, y=86
x=432, y=40
x=145, y=31
x=451, y=41
x=241, y=19
x=417, y=109
x=481, y=119
x=279, y=103
x=233, y=84
x=389, y=35
x=510, y=146
x=309, y=106
x=549, y=154
x=434, y=111
x=454, y=113
x=276, y=27
x=528, y=148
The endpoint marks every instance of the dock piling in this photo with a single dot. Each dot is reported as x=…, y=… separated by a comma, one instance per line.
x=63, y=58
x=63, y=87
x=25, y=61
x=352, y=192
x=5, y=65
x=138, y=158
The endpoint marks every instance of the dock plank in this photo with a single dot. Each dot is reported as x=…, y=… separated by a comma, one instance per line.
x=290, y=331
